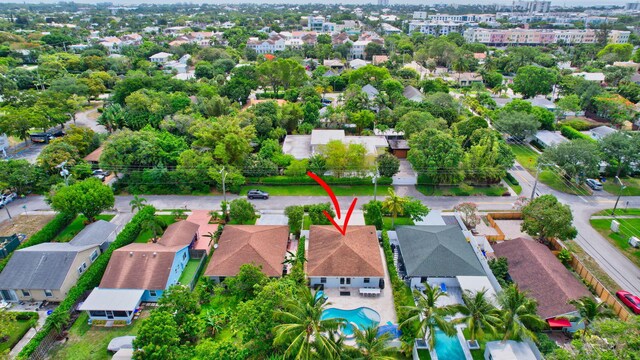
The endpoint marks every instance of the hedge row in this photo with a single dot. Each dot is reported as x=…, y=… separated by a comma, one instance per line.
x=269, y=95
x=47, y=233
x=573, y=134
x=511, y=179
x=304, y=180
x=401, y=293
x=89, y=280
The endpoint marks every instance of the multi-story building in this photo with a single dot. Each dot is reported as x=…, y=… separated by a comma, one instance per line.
x=540, y=37
x=468, y=18
x=632, y=6
x=268, y=46
x=420, y=15
x=315, y=23
x=540, y=6
x=436, y=27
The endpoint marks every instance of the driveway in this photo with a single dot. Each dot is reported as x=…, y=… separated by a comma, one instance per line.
x=272, y=217
x=405, y=175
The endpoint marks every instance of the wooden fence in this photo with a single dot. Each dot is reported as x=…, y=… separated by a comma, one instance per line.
x=492, y=217
x=618, y=308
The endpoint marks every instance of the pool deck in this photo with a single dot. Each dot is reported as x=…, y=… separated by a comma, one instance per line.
x=383, y=304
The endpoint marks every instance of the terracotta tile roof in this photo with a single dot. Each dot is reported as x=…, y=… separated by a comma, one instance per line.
x=180, y=233
x=262, y=245
x=139, y=266
x=536, y=270
x=355, y=254
x=94, y=156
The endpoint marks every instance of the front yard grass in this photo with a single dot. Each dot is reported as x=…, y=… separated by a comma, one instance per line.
x=18, y=329
x=76, y=226
x=250, y=222
x=619, y=212
x=628, y=228
x=306, y=222
x=146, y=235
x=492, y=190
x=90, y=342
x=316, y=190
x=632, y=186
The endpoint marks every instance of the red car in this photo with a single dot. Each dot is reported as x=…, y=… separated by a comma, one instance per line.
x=630, y=300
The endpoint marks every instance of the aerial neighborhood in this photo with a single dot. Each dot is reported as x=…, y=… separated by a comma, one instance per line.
x=313, y=180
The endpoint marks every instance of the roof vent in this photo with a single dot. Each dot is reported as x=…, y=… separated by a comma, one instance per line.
x=130, y=253
x=155, y=254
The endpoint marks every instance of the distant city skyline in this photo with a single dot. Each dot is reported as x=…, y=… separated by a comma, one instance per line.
x=585, y=3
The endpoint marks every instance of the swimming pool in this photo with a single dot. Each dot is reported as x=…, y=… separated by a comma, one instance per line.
x=362, y=317
x=448, y=347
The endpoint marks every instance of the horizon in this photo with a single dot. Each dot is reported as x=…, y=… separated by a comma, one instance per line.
x=564, y=3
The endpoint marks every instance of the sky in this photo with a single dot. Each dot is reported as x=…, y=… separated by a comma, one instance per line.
x=412, y=2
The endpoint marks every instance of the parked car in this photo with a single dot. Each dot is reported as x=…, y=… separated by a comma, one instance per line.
x=326, y=102
x=257, y=194
x=7, y=198
x=100, y=174
x=632, y=301
x=594, y=184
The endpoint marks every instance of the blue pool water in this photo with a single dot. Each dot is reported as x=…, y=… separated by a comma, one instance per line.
x=448, y=348
x=363, y=318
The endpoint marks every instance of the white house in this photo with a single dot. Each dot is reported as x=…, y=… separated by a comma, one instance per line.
x=160, y=58
x=350, y=261
x=508, y=350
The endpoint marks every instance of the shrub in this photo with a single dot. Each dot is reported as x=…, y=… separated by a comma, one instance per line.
x=316, y=213
x=572, y=134
x=90, y=279
x=295, y=213
x=564, y=256
x=47, y=233
x=241, y=211
x=304, y=180
x=512, y=180
x=26, y=315
x=578, y=124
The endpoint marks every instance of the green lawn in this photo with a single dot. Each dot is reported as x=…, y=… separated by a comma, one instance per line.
x=619, y=211
x=306, y=222
x=424, y=354
x=146, y=235
x=18, y=329
x=386, y=221
x=632, y=186
x=189, y=271
x=526, y=156
x=90, y=342
x=250, y=222
x=628, y=228
x=430, y=190
x=316, y=190
x=478, y=354
x=76, y=226
x=516, y=188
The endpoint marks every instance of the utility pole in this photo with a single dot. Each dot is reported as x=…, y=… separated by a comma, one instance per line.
x=622, y=187
x=535, y=183
x=6, y=207
x=223, y=173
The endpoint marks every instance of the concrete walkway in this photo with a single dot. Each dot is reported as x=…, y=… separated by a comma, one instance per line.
x=42, y=317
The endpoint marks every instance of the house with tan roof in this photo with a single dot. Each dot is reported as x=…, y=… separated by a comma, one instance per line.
x=353, y=260
x=262, y=245
x=153, y=266
x=538, y=272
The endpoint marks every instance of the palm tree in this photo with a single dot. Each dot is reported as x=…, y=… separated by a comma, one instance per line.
x=216, y=320
x=590, y=311
x=303, y=328
x=137, y=203
x=153, y=224
x=394, y=204
x=429, y=315
x=519, y=318
x=112, y=117
x=372, y=346
x=210, y=235
x=480, y=315
x=292, y=258
x=178, y=214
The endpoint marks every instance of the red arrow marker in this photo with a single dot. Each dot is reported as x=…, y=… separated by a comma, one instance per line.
x=336, y=205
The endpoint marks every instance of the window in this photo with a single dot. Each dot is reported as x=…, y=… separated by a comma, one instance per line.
x=367, y=280
x=26, y=293
x=94, y=255
x=341, y=281
x=48, y=293
x=82, y=268
x=323, y=280
x=153, y=293
x=120, y=314
x=184, y=256
x=97, y=313
x=348, y=281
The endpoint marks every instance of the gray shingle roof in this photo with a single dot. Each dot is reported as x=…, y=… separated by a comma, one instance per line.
x=94, y=234
x=437, y=251
x=370, y=91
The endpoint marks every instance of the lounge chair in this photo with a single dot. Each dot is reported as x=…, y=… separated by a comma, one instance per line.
x=443, y=287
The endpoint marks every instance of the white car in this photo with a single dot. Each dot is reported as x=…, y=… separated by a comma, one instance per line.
x=594, y=184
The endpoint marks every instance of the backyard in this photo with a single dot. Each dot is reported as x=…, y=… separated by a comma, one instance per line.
x=316, y=190
x=146, y=235
x=90, y=342
x=18, y=329
x=189, y=271
x=76, y=226
x=387, y=220
x=628, y=227
x=24, y=224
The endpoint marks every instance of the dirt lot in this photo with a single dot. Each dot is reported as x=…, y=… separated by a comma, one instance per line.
x=25, y=224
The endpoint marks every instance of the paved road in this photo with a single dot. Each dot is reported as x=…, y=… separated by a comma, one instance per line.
x=621, y=269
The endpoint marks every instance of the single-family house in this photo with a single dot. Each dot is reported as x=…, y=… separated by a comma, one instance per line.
x=508, y=350
x=262, y=245
x=542, y=102
x=334, y=64
x=595, y=77
x=357, y=63
x=379, y=59
x=628, y=64
x=371, y=91
x=467, y=78
x=399, y=148
x=413, y=94
x=152, y=267
x=112, y=305
x=46, y=271
x=537, y=271
x=305, y=146
x=100, y=232
x=548, y=138
x=436, y=254
x=160, y=58
x=600, y=132
x=352, y=260
x=94, y=156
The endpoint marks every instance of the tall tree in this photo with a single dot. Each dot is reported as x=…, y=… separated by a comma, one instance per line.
x=429, y=315
x=373, y=346
x=437, y=155
x=545, y=217
x=157, y=337
x=590, y=311
x=479, y=314
x=518, y=124
x=88, y=197
x=519, y=318
x=533, y=80
x=137, y=203
x=621, y=149
x=578, y=158
x=394, y=204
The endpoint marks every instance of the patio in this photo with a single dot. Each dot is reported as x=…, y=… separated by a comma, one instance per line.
x=511, y=229
x=383, y=303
